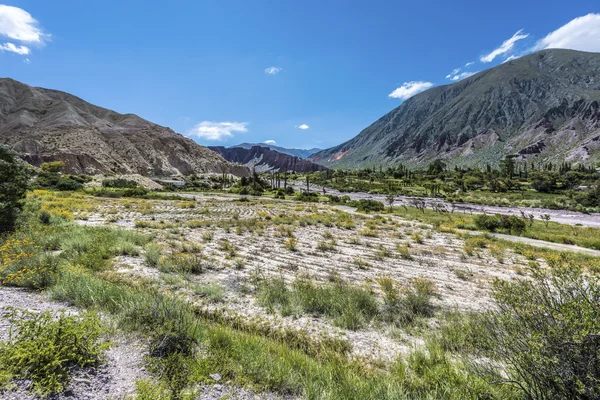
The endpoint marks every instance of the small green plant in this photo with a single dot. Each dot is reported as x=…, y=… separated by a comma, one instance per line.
x=417, y=237
x=291, y=244
x=212, y=292
x=326, y=245
x=152, y=255
x=404, y=252
x=383, y=252
x=361, y=263
x=207, y=236
x=45, y=349
x=463, y=274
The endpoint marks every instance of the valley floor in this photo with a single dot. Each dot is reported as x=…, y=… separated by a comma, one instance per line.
x=256, y=266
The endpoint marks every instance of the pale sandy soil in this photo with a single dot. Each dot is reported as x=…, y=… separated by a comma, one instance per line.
x=263, y=254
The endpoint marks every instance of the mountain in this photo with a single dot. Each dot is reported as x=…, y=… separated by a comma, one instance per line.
x=263, y=159
x=47, y=125
x=542, y=107
x=301, y=153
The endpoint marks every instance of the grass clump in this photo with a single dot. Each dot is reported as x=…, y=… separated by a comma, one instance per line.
x=45, y=349
x=404, y=305
x=212, y=292
x=349, y=307
x=291, y=244
x=326, y=245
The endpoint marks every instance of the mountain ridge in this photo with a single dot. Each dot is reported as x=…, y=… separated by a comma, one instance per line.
x=51, y=125
x=301, y=153
x=544, y=106
x=263, y=159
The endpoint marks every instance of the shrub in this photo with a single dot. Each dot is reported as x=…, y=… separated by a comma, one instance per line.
x=494, y=222
x=14, y=178
x=310, y=197
x=65, y=183
x=45, y=349
x=119, y=183
x=544, y=330
x=404, y=304
x=364, y=205
x=291, y=244
x=135, y=192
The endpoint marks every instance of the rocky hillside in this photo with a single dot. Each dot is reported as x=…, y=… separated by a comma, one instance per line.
x=301, y=153
x=263, y=159
x=47, y=125
x=544, y=106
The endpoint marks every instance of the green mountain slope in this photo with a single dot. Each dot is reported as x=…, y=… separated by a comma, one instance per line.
x=544, y=106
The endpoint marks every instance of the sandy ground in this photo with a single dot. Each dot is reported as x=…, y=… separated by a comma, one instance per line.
x=462, y=281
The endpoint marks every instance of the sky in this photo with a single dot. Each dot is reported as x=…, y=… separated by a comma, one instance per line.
x=304, y=74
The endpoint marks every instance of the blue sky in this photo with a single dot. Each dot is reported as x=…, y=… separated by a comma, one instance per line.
x=301, y=73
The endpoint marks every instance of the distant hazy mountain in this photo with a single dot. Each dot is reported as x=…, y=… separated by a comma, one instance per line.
x=47, y=125
x=544, y=106
x=302, y=153
x=263, y=159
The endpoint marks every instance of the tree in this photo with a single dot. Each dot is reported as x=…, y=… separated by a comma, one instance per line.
x=390, y=198
x=436, y=167
x=507, y=167
x=14, y=178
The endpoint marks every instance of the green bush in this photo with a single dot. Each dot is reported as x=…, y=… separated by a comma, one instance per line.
x=14, y=179
x=152, y=255
x=545, y=332
x=310, y=197
x=496, y=222
x=44, y=349
x=363, y=205
x=65, y=183
x=135, y=192
x=119, y=183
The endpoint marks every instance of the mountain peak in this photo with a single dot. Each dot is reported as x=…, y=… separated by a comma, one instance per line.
x=547, y=101
x=47, y=125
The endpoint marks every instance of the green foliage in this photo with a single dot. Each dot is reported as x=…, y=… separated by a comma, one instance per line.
x=66, y=183
x=403, y=305
x=152, y=255
x=363, y=205
x=93, y=247
x=14, y=178
x=348, y=306
x=545, y=332
x=119, y=183
x=53, y=167
x=44, y=349
x=311, y=197
x=496, y=222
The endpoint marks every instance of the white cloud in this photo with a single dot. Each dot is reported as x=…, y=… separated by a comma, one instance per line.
x=27, y=61
x=270, y=141
x=303, y=127
x=409, y=89
x=510, y=58
x=273, y=70
x=463, y=75
x=582, y=33
x=18, y=24
x=469, y=63
x=23, y=50
x=505, y=47
x=211, y=130
x=454, y=72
